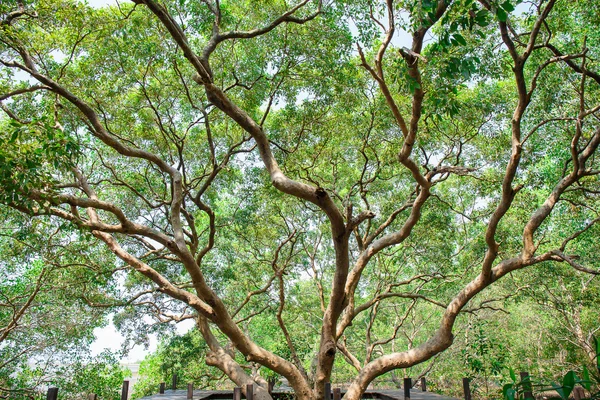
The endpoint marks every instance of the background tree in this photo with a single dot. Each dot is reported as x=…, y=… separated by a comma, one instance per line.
x=46, y=326
x=246, y=163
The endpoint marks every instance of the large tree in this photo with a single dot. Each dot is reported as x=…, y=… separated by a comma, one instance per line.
x=273, y=170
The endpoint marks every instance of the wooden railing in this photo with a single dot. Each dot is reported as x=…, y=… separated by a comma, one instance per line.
x=335, y=394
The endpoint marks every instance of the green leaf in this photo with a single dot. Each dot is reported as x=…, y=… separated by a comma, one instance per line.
x=429, y=4
x=559, y=389
x=597, y=346
x=513, y=376
x=460, y=39
x=507, y=6
x=14, y=136
x=508, y=392
x=501, y=14
x=569, y=383
x=586, y=383
x=481, y=18
x=569, y=379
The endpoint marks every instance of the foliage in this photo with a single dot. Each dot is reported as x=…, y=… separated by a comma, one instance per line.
x=176, y=355
x=324, y=200
x=46, y=326
x=518, y=390
x=102, y=375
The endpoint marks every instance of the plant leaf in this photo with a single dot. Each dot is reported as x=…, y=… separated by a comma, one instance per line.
x=460, y=39
x=507, y=6
x=501, y=14
x=586, y=383
x=559, y=389
x=597, y=346
x=569, y=383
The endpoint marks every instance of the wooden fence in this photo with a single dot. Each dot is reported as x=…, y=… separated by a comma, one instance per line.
x=335, y=394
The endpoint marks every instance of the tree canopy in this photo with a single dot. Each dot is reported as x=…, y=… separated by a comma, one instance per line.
x=321, y=186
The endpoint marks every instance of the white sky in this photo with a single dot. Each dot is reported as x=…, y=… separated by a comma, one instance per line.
x=108, y=338
x=100, y=3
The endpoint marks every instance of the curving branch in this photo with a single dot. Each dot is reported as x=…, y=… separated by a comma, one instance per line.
x=17, y=92
x=18, y=313
x=286, y=17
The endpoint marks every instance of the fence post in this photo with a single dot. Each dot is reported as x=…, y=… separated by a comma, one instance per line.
x=250, y=392
x=125, y=390
x=467, y=388
x=527, y=388
x=162, y=388
x=174, y=382
x=337, y=394
x=327, y=391
x=52, y=393
x=270, y=385
x=423, y=384
x=92, y=396
x=237, y=393
x=190, y=391
x=407, y=386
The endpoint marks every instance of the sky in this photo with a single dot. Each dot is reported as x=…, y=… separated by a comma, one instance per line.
x=108, y=338
x=101, y=3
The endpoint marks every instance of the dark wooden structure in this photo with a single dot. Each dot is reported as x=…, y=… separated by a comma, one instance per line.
x=125, y=390
x=467, y=388
x=52, y=393
x=229, y=395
